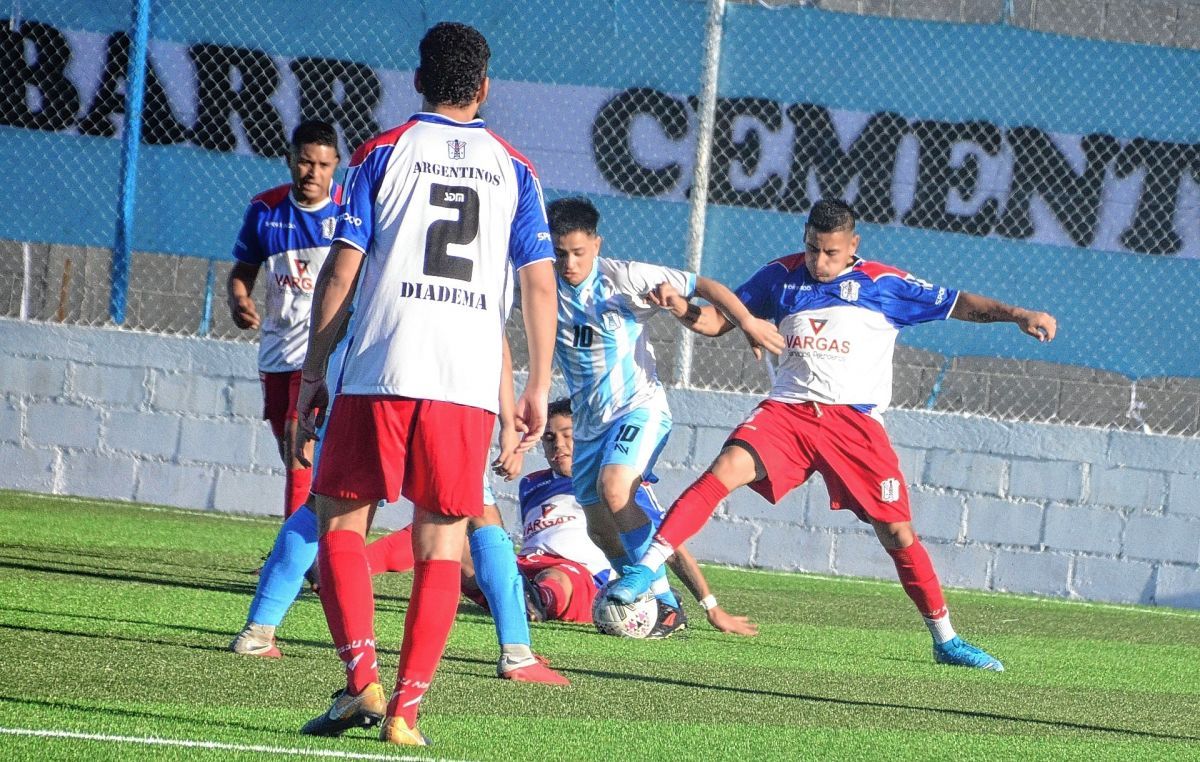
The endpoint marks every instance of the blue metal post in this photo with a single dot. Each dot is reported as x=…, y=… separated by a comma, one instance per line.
x=131, y=139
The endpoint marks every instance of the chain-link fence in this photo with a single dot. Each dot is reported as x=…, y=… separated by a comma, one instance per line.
x=1050, y=171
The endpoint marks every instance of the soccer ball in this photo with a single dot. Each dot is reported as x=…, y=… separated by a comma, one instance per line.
x=633, y=620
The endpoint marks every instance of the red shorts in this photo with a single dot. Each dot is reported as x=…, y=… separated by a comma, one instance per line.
x=583, y=587
x=380, y=447
x=849, y=449
x=280, y=392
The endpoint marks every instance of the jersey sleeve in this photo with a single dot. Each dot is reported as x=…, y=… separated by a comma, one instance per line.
x=529, y=240
x=758, y=292
x=909, y=300
x=524, y=487
x=356, y=220
x=640, y=278
x=248, y=246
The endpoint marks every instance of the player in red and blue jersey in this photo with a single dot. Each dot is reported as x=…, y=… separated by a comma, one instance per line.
x=439, y=213
x=840, y=316
x=286, y=232
x=558, y=558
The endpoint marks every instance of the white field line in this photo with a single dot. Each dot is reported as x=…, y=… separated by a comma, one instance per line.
x=1127, y=608
x=152, y=741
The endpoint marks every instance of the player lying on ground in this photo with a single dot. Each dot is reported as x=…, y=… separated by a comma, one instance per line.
x=840, y=315
x=287, y=231
x=563, y=566
x=622, y=420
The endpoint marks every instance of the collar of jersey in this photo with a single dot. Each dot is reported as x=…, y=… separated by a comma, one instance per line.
x=315, y=207
x=432, y=118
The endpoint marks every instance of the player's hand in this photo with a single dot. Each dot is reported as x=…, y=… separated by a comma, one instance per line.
x=666, y=296
x=529, y=417
x=508, y=463
x=762, y=334
x=311, y=405
x=734, y=625
x=243, y=312
x=1040, y=325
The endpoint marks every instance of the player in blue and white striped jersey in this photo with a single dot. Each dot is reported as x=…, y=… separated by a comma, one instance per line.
x=622, y=420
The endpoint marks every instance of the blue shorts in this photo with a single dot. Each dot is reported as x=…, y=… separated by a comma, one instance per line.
x=635, y=440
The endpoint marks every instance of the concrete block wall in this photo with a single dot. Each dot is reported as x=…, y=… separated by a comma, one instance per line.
x=1048, y=509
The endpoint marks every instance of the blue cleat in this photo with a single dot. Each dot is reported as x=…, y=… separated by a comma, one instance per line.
x=635, y=582
x=960, y=653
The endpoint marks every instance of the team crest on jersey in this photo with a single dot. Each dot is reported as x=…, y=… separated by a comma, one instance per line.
x=327, y=226
x=457, y=148
x=611, y=320
x=889, y=490
x=848, y=291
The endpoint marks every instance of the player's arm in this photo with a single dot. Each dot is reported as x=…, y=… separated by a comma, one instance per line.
x=539, y=308
x=508, y=464
x=331, y=303
x=683, y=563
x=974, y=308
x=724, y=313
x=238, y=288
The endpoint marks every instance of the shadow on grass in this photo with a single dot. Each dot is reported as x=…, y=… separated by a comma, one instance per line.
x=833, y=700
x=141, y=713
x=119, y=575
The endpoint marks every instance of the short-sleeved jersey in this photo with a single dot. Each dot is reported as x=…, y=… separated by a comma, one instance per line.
x=840, y=335
x=552, y=521
x=444, y=211
x=602, y=349
x=289, y=242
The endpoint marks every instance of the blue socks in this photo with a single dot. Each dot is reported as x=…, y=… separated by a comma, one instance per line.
x=282, y=575
x=498, y=578
x=636, y=542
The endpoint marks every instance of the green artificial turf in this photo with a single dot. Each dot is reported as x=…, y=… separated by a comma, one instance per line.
x=114, y=620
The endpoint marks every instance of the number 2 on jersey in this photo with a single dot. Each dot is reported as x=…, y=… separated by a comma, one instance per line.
x=442, y=233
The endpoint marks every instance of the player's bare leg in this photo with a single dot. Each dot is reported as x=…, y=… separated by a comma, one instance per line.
x=438, y=543
x=736, y=466
x=349, y=603
x=920, y=582
x=298, y=479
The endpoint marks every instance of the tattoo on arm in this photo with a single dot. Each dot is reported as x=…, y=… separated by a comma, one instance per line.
x=692, y=315
x=983, y=316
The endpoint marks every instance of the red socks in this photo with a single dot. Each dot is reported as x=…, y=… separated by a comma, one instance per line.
x=554, y=597
x=392, y=552
x=919, y=579
x=431, y=610
x=349, y=604
x=297, y=484
x=692, y=510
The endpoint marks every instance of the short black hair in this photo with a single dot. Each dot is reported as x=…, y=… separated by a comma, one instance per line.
x=559, y=407
x=566, y=215
x=454, y=61
x=314, y=131
x=831, y=215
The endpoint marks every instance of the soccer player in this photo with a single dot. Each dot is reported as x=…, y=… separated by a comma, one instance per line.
x=621, y=418
x=564, y=567
x=841, y=315
x=438, y=214
x=288, y=230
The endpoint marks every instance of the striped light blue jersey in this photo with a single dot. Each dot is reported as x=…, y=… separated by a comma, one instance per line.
x=601, y=347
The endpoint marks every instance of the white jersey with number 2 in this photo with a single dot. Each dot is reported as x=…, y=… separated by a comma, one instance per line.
x=445, y=211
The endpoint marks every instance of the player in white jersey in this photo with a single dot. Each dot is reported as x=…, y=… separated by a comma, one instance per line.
x=621, y=416
x=439, y=213
x=287, y=231
x=840, y=315
x=564, y=567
